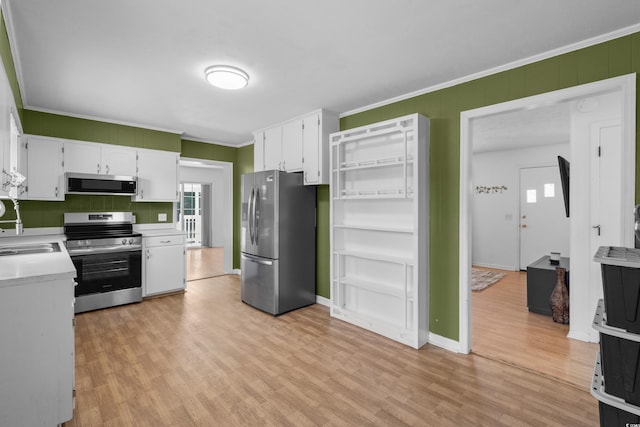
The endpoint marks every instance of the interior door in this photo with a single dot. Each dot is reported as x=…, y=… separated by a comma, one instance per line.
x=544, y=226
x=606, y=184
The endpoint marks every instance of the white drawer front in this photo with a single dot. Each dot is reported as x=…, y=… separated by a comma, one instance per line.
x=164, y=240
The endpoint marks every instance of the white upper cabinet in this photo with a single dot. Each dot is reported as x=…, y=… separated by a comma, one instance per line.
x=273, y=148
x=157, y=176
x=81, y=157
x=118, y=160
x=44, y=169
x=88, y=157
x=300, y=144
x=292, y=146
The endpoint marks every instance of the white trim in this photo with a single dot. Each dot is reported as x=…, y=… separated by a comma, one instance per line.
x=236, y=271
x=206, y=141
x=323, y=301
x=499, y=267
x=13, y=47
x=500, y=68
x=626, y=84
x=100, y=119
x=443, y=342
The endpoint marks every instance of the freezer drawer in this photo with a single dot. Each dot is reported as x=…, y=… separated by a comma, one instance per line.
x=259, y=285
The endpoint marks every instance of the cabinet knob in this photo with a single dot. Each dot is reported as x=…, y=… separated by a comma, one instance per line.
x=98, y=168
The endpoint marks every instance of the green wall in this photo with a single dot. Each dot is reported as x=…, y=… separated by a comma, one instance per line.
x=614, y=58
x=9, y=66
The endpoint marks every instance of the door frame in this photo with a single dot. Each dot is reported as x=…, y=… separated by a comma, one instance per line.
x=625, y=84
x=227, y=199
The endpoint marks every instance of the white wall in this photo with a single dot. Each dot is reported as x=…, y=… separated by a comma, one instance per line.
x=495, y=222
x=219, y=208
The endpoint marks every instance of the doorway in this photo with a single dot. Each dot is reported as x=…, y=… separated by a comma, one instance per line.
x=205, y=214
x=583, y=302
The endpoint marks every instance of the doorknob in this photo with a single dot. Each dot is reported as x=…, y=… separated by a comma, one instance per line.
x=597, y=227
x=524, y=226
x=524, y=216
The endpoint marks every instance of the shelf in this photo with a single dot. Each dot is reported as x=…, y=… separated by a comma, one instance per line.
x=386, y=193
x=375, y=228
x=357, y=135
x=372, y=287
x=373, y=163
x=375, y=257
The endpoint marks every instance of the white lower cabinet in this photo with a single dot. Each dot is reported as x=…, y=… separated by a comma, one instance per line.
x=379, y=228
x=37, y=356
x=163, y=269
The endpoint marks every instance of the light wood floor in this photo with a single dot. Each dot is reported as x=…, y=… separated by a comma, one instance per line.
x=204, y=358
x=503, y=329
x=204, y=262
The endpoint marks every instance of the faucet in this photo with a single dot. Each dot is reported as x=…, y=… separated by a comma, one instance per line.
x=18, y=220
x=17, y=181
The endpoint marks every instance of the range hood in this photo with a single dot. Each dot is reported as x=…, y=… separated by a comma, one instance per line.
x=89, y=183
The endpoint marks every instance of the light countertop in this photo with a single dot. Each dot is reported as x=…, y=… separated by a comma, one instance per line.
x=161, y=232
x=30, y=268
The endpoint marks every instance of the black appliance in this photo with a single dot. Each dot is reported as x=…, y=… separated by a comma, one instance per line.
x=83, y=183
x=107, y=255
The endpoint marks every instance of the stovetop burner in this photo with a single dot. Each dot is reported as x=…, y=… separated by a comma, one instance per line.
x=91, y=229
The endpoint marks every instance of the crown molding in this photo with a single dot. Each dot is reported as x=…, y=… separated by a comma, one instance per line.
x=509, y=66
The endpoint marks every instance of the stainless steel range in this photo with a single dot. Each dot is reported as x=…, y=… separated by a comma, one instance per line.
x=107, y=254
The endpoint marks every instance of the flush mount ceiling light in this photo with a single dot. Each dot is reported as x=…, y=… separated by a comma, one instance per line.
x=226, y=77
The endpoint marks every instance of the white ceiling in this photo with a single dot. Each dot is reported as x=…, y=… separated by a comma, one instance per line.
x=545, y=125
x=142, y=62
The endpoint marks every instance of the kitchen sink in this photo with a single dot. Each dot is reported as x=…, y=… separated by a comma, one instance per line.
x=25, y=249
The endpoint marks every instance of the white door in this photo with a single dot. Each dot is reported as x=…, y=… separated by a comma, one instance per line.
x=310, y=149
x=544, y=227
x=606, y=184
x=273, y=148
x=292, y=146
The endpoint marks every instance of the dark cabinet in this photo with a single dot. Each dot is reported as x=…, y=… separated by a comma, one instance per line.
x=541, y=279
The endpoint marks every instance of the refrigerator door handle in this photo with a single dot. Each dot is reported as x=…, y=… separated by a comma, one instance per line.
x=256, y=260
x=256, y=212
x=250, y=214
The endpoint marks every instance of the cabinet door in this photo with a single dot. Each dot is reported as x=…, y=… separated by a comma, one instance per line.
x=311, y=148
x=292, y=146
x=258, y=151
x=164, y=269
x=273, y=148
x=44, y=169
x=118, y=160
x=157, y=176
x=81, y=157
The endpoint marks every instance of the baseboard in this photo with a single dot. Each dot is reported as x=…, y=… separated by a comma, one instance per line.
x=236, y=271
x=499, y=267
x=445, y=343
x=581, y=336
x=323, y=301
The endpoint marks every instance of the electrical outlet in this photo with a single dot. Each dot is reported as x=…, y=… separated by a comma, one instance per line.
x=162, y=217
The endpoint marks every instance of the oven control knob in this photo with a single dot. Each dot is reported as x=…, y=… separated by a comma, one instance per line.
x=124, y=241
x=130, y=241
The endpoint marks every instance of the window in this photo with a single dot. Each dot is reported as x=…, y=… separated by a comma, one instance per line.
x=531, y=196
x=550, y=190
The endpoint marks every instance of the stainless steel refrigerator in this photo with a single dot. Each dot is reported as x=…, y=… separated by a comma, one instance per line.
x=278, y=241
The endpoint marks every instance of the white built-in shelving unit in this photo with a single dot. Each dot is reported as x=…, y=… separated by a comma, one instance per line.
x=379, y=188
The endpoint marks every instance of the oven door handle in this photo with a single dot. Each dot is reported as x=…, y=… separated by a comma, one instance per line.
x=105, y=250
